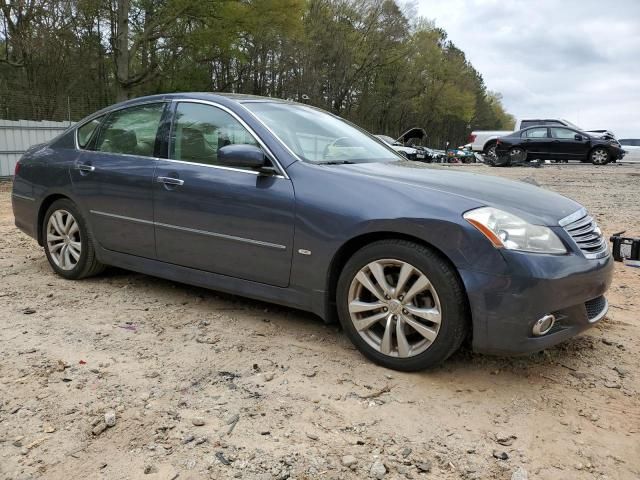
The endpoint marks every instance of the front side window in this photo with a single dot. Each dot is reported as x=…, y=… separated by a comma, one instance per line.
x=563, y=133
x=200, y=130
x=536, y=133
x=318, y=137
x=131, y=131
x=86, y=131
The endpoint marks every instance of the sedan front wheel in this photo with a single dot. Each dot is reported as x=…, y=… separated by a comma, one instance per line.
x=599, y=156
x=402, y=305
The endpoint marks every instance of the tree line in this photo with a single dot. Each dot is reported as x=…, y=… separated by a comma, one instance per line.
x=371, y=61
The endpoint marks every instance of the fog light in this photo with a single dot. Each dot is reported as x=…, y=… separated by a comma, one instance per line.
x=543, y=325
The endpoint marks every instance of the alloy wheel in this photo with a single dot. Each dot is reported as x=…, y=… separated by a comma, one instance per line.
x=599, y=156
x=395, y=308
x=63, y=239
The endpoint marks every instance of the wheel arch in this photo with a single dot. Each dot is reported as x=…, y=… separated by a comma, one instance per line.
x=351, y=246
x=488, y=143
x=42, y=210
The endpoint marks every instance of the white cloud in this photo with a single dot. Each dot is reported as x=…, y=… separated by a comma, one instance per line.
x=573, y=59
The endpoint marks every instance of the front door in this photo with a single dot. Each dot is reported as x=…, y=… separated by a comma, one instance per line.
x=565, y=144
x=113, y=176
x=229, y=221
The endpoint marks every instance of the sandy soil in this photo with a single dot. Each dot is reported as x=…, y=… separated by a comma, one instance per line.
x=205, y=385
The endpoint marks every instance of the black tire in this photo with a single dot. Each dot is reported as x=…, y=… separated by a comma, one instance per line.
x=596, y=154
x=453, y=302
x=87, y=265
x=520, y=159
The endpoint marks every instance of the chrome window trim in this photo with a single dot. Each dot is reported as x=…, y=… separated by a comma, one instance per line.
x=191, y=230
x=263, y=145
x=23, y=197
x=116, y=109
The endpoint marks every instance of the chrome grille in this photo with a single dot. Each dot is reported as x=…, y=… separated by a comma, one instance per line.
x=585, y=232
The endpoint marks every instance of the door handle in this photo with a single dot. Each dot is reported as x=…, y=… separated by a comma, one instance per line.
x=86, y=168
x=170, y=181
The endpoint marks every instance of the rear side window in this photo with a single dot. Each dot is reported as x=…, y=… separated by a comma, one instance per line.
x=535, y=133
x=86, y=131
x=131, y=131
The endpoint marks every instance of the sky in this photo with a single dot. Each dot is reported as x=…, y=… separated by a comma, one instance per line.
x=572, y=59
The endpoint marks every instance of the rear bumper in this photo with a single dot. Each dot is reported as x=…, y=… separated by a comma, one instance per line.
x=25, y=213
x=504, y=309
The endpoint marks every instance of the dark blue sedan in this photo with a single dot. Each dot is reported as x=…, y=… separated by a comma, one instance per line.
x=287, y=203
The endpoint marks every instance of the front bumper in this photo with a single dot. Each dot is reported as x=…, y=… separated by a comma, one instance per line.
x=505, y=308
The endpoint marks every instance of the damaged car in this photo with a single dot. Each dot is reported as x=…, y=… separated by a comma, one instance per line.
x=286, y=203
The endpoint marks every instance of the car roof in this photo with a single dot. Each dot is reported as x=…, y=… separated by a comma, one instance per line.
x=547, y=126
x=218, y=97
x=211, y=96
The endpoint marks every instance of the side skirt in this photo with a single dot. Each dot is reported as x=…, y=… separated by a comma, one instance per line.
x=289, y=297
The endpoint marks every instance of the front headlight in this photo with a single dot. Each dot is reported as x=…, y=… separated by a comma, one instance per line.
x=505, y=230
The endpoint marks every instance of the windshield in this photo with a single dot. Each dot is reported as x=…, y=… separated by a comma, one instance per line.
x=318, y=137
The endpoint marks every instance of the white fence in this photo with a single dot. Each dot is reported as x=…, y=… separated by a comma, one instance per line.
x=17, y=136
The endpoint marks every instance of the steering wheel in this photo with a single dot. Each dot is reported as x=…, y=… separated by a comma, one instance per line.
x=331, y=145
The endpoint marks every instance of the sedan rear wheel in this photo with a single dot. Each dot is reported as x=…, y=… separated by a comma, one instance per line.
x=63, y=240
x=402, y=305
x=68, y=243
x=599, y=156
x=517, y=155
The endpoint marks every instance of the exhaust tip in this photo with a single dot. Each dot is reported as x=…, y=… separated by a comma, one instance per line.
x=543, y=325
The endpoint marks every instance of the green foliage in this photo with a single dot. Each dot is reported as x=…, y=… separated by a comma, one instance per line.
x=362, y=59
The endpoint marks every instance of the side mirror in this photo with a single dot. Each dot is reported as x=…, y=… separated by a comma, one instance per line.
x=242, y=156
x=578, y=137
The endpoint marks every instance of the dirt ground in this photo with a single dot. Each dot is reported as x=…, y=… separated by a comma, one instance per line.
x=206, y=385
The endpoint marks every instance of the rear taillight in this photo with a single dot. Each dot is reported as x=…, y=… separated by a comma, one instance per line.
x=17, y=169
x=472, y=138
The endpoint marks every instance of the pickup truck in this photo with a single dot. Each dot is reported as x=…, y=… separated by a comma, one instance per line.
x=484, y=141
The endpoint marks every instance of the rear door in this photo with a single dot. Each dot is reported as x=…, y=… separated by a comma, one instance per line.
x=567, y=144
x=113, y=175
x=536, y=142
x=230, y=221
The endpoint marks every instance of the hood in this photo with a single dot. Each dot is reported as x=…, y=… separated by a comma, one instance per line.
x=412, y=134
x=534, y=204
x=608, y=134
